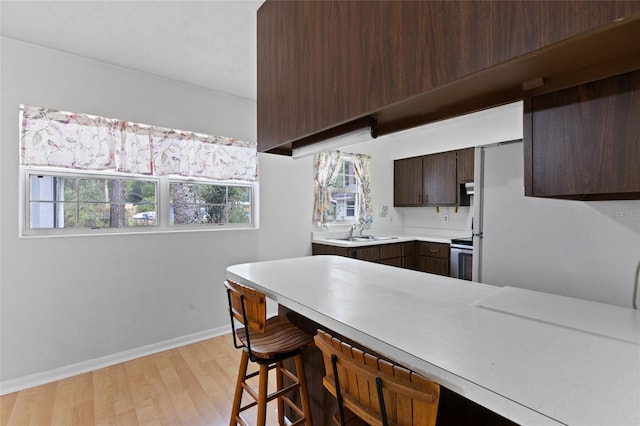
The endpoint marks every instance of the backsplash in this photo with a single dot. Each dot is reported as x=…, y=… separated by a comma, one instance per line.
x=428, y=217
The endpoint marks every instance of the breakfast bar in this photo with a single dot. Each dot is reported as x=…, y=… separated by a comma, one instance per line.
x=531, y=357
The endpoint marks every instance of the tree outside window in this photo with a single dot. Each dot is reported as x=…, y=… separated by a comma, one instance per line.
x=86, y=202
x=192, y=203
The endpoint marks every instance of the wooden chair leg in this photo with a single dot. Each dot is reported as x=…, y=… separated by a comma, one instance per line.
x=304, y=394
x=262, y=394
x=237, y=398
x=280, y=385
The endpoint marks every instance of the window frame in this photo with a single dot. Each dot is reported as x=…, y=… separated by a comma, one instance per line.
x=162, y=204
x=346, y=159
x=172, y=180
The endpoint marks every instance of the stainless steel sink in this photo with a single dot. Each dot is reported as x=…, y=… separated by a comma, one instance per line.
x=363, y=238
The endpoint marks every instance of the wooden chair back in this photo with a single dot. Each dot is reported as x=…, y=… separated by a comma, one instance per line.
x=247, y=306
x=409, y=399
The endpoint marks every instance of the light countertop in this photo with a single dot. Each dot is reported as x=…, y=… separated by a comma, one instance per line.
x=532, y=357
x=440, y=237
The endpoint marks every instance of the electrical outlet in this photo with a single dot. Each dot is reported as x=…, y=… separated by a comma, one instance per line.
x=446, y=218
x=384, y=210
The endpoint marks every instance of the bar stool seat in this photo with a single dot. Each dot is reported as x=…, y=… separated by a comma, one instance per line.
x=281, y=339
x=267, y=342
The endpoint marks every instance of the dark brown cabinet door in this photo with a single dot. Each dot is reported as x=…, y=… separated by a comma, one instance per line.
x=429, y=180
x=323, y=249
x=465, y=164
x=407, y=182
x=433, y=258
x=439, y=179
x=584, y=142
x=409, y=255
x=388, y=251
x=435, y=265
x=440, y=250
x=371, y=254
x=391, y=254
x=395, y=261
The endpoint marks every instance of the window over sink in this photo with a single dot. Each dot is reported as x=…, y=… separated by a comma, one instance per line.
x=342, y=191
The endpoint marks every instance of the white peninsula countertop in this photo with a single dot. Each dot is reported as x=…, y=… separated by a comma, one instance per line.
x=531, y=357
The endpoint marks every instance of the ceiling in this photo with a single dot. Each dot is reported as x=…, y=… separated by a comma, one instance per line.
x=207, y=43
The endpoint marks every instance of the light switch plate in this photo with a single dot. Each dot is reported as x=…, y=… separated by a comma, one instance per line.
x=384, y=210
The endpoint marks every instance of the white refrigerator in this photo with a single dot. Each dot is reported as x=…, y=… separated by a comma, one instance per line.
x=588, y=250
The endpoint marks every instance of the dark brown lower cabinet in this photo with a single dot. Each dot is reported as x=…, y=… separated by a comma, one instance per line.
x=324, y=249
x=433, y=258
x=391, y=254
x=394, y=261
x=409, y=255
x=369, y=253
x=433, y=265
x=417, y=255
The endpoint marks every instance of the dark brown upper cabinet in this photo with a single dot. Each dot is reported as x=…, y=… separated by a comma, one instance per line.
x=428, y=180
x=584, y=142
x=407, y=182
x=466, y=159
x=323, y=64
x=439, y=179
x=465, y=166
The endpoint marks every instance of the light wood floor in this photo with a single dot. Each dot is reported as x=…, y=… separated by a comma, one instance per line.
x=190, y=385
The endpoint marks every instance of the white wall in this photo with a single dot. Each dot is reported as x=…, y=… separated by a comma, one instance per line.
x=286, y=206
x=68, y=300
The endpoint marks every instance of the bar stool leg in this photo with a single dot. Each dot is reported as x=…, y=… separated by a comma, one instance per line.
x=304, y=395
x=280, y=385
x=262, y=395
x=237, y=398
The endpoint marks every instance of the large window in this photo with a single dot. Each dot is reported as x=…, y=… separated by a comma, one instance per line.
x=85, y=173
x=73, y=203
x=67, y=201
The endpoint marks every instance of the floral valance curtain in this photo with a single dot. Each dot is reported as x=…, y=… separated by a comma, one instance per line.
x=326, y=168
x=82, y=141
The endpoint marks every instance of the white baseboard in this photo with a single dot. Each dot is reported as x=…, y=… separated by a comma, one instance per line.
x=36, y=379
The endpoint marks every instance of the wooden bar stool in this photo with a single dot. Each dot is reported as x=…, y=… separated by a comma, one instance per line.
x=266, y=342
x=372, y=391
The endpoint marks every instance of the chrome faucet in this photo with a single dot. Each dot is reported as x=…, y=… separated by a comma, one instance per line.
x=353, y=228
